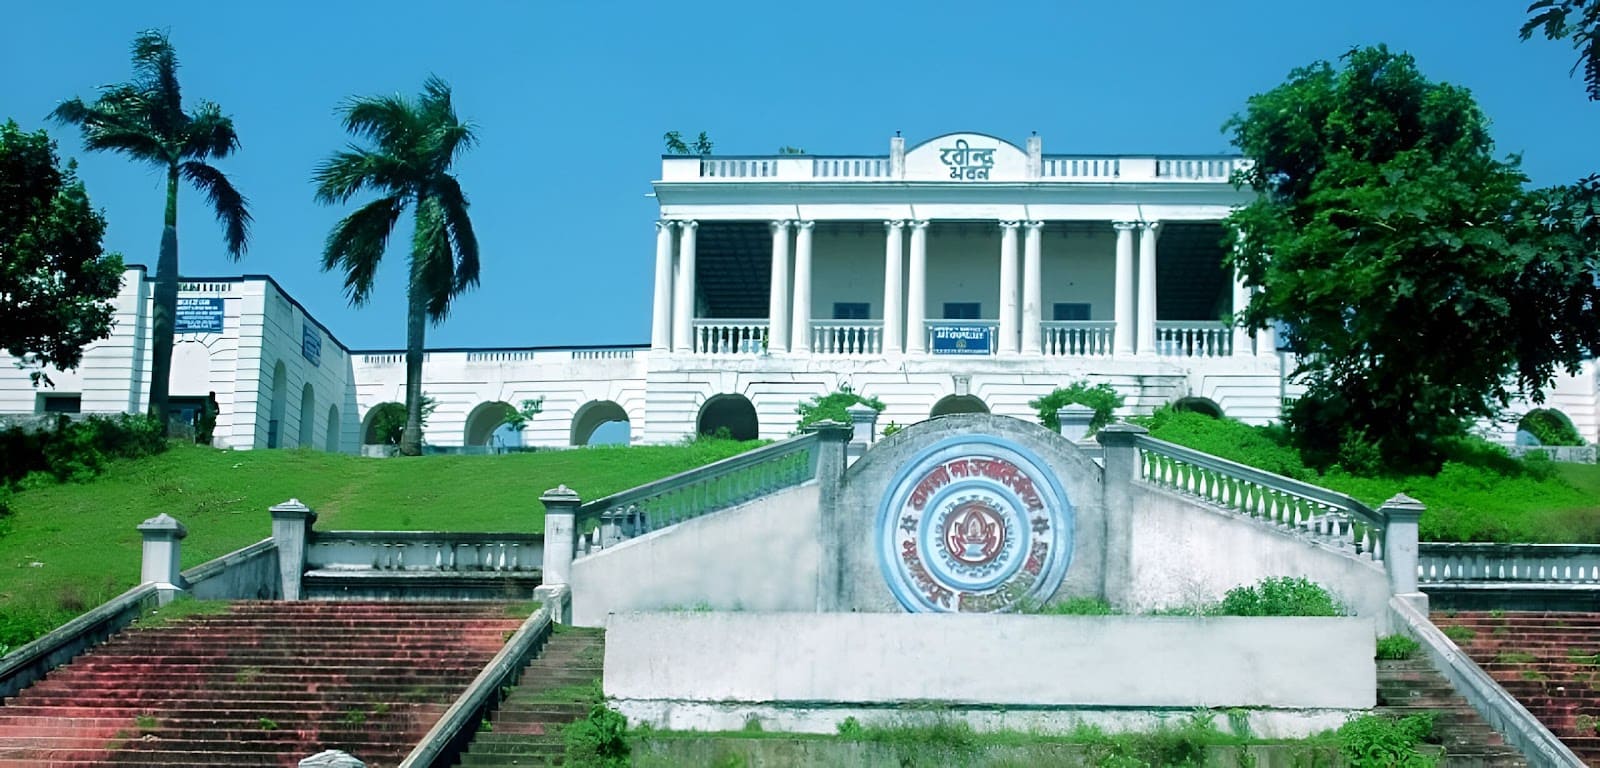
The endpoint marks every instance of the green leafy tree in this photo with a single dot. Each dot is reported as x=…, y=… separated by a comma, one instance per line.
x=831, y=407
x=1574, y=20
x=412, y=143
x=1103, y=398
x=701, y=145
x=1419, y=285
x=56, y=285
x=144, y=119
x=518, y=418
x=389, y=420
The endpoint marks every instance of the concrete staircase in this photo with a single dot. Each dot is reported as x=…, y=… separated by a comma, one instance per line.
x=1413, y=686
x=1550, y=661
x=557, y=688
x=263, y=684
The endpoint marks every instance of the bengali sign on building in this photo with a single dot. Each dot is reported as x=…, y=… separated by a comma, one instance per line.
x=962, y=339
x=311, y=344
x=198, y=316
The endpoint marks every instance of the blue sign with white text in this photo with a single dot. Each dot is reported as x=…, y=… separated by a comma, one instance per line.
x=311, y=344
x=962, y=339
x=198, y=316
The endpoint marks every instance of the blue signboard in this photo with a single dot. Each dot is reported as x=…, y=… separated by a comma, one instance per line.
x=198, y=316
x=311, y=344
x=962, y=339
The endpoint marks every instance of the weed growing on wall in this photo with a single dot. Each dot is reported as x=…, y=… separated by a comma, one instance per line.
x=1101, y=397
x=831, y=407
x=1286, y=596
x=1377, y=741
x=597, y=741
x=1397, y=647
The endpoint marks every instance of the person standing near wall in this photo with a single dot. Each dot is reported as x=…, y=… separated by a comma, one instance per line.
x=206, y=419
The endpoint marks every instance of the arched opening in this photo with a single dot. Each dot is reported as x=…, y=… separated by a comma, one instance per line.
x=1547, y=426
x=728, y=416
x=308, y=416
x=330, y=440
x=1203, y=405
x=483, y=426
x=280, y=383
x=958, y=404
x=600, y=422
x=383, y=424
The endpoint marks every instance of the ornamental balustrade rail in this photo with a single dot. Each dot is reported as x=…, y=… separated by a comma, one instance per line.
x=728, y=483
x=1102, y=169
x=847, y=337
x=1442, y=563
x=1077, y=338
x=1179, y=338
x=730, y=337
x=426, y=551
x=1331, y=517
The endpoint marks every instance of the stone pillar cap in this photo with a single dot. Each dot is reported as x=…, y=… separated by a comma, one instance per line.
x=1077, y=408
x=163, y=523
x=290, y=508
x=332, y=758
x=860, y=412
x=1120, y=433
x=1403, y=503
x=560, y=494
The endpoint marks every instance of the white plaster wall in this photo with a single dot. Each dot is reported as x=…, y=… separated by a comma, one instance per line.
x=1576, y=395
x=109, y=377
x=760, y=556
x=999, y=659
x=964, y=266
x=847, y=265
x=1077, y=267
x=1186, y=553
x=270, y=334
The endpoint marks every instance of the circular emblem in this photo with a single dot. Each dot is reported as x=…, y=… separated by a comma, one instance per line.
x=975, y=524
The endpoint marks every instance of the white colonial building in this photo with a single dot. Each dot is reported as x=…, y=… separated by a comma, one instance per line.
x=962, y=274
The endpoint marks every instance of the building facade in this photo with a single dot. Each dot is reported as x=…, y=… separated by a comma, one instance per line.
x=962, y=274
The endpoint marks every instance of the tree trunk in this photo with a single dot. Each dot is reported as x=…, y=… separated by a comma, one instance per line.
x=416, y=328
x=166, y=306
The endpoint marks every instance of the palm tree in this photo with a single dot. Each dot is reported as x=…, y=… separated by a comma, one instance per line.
x=413, y=143
x=144, y=119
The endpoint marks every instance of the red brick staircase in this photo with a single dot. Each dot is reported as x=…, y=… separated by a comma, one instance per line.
x=264, y=684
x=1413, y=686
x=557, y=688
x=1549, y=661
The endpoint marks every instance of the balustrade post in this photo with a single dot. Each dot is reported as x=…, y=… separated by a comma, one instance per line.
x=1400, y=515
x=863, y=429
x=832, y=439
x=1073, y=421
x=162, y=537
x=1118, y=443
x=560, y=543
x=291, y=532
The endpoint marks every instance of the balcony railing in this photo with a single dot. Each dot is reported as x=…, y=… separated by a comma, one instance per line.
x=1078, y=338
x=847, y=337
x=730, y=337
x=1175, y=338
x=1080, y=169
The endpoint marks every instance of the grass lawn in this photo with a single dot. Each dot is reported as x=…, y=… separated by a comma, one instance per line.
x=67, y=548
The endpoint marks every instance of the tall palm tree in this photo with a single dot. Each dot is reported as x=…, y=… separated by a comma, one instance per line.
x=413, y=142
x=144, y=119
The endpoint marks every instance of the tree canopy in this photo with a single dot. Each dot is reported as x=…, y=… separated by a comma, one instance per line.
x=56, y=284
x=1420, y=286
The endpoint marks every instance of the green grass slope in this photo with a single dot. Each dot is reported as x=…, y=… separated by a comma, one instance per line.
x=70, y=547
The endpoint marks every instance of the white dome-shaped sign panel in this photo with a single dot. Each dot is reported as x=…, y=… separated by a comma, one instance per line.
x=966, y=157
x=974, y=524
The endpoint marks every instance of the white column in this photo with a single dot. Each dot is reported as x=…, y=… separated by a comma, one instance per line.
x=1147, y=286
x=778, y=299
x=1008, y=288
x=661, y=320
x=1267, y=342
x=683, y=295
x=917, y=291
x=1122, y=335
x=801, y=332
x=1241, y=298
x=1032, y=289
x=893, y=256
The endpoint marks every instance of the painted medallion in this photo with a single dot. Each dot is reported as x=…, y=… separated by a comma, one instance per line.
x=974, y=524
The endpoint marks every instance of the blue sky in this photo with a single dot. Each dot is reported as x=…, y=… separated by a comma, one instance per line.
x=571, y=100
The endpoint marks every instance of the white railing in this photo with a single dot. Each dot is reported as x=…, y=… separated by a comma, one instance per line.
x=1553, y=564
x=206, y=287
x=937, y=333
x=1091, y=168
x=500, y=356
x=602, y=354
x=1077, y=338
x=730, y=337
x=1329, y=516
x=1184, y=338
x=425, y=551
x=847, y=337
x=1197, y=168
x=738, y=168
x=850, y=168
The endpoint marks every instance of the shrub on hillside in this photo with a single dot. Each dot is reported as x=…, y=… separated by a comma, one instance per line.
x=597, y=741
x=1550, y=428
x=831, y=407
x=77, y=450
x=1101, y=397
x=1285, y=596
x=1265, y=448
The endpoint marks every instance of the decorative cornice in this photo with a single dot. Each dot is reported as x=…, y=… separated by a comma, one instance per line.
x=1034, y=225
x=780, y=225
x=1125, y=226
x=665, y=225
x=1008, y=225
x=919, y=224
x=805, y=225
x=894, y=224
x=1151, y=226
x=689, y=226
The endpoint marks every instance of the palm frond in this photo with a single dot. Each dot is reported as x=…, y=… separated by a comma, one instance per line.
x=453, y=204
x=231, y=208
x=388, y=121
x=357, y=243
x=345, y=173
x=209, y=133
x=448, y=136
x=433, y=271
x=155, y=71
x=113, y=126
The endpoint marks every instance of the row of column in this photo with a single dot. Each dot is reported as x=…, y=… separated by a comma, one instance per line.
x=672, y=325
